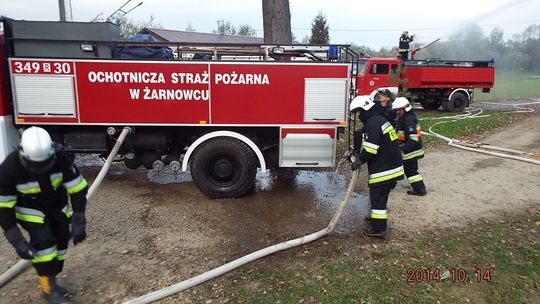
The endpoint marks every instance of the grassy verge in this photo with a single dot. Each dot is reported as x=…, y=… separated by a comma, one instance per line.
x=509, y=85
x=506, y=254
x=463, y=128
x=459, y=129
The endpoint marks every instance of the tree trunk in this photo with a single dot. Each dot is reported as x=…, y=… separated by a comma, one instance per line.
x=277, y=22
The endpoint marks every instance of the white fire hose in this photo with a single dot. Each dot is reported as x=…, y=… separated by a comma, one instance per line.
x=178, y=287
x=21, y=265
x=529, y=157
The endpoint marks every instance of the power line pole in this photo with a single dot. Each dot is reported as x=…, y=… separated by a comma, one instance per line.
x=64, y=7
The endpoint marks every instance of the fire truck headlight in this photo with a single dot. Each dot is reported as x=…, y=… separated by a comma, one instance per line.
x=87, y=47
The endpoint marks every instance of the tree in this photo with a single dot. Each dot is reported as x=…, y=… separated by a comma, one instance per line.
x=190, y=28
x=224, y=28
x=246, y=30
x=319, y=30
x=131, y=27
x=277, y=21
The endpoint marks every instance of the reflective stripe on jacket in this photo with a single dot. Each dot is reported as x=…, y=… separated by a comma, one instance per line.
x=409, y=134
x=28, y=197
x=380, y=149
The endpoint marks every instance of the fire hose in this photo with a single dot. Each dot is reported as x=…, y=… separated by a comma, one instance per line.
x=178, y=287
x=21, y=265
x=530, y=157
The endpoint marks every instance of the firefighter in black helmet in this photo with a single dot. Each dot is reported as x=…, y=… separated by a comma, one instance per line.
x=376, y=143
x=383, y=104
x=35, y=183
x=410, y=137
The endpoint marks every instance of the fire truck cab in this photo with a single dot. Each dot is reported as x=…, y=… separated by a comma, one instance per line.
x=235, y=109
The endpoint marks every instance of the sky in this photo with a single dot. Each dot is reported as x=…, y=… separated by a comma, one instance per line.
x=374, y=24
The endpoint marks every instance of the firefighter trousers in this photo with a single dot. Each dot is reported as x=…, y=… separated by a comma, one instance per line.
x=378, y=197
x=411, y=172
x=50, y=239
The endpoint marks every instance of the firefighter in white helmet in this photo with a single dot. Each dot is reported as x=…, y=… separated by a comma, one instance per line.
x=404, y=45
x=410, y=138
x=35, y=182
x=376, y=144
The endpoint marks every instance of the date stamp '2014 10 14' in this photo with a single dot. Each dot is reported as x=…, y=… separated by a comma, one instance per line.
x=427, y=275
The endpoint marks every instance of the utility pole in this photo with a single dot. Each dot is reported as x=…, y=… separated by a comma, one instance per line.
x=64, y=7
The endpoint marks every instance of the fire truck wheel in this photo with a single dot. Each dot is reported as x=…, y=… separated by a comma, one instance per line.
x=134, y=162
x=430, y=105
x=223, y=167
x=457, y=103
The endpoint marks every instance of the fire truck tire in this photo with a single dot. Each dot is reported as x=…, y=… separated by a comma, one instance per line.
x=457, y=103
x=148, y=159
x=133, y=163
x=223, y=167
x=430, y=105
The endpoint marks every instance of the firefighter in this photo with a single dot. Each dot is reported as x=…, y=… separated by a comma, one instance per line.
x=404, y=45
x=376, y=144
x=35, y=182
x=409, y=136
x=383, y=104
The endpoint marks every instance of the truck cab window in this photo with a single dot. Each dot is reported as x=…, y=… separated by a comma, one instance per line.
x=379, y=69
x=361, y=68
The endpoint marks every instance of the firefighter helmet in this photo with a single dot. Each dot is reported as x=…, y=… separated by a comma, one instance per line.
x=36, y=144
x=363, y=102
x=401, y=103
x=37, y=151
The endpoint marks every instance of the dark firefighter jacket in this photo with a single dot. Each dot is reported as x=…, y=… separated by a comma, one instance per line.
x=409, y=135
x=404, y=42
x=28, y=197
x=376, y=143
x=387, y=113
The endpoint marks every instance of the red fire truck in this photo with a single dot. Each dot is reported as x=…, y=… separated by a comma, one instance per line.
x=248, y=107
x=431, y=82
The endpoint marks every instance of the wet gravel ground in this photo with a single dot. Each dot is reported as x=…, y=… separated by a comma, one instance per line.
x=147, y=231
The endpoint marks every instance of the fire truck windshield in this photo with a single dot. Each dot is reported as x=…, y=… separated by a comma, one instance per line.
x=361, y=67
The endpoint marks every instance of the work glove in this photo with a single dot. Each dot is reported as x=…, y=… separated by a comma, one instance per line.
x=21, y=245
x=355, y=162
x=78, y=227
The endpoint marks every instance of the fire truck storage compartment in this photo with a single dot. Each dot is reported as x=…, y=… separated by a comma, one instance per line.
x=62, y=39
x=307, y=147
x=44, y=95
x=85, y=141
x=324, y=99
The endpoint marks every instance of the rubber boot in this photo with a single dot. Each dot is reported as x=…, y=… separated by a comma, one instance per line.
x=368, y=221
x=63, y=291
x=418, y=189
x=50, y=290
x=371, y=232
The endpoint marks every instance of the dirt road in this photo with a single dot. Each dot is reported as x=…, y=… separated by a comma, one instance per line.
x=147, y=231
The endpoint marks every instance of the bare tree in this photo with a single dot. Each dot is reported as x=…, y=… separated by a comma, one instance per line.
x=277, y=21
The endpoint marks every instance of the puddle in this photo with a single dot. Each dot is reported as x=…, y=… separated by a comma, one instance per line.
x=316, y=195
x=167, y=176
x=294, y=198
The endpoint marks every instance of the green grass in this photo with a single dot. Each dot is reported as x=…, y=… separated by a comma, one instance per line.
x=509, y=85
x=328, y=271
x=468, y=128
